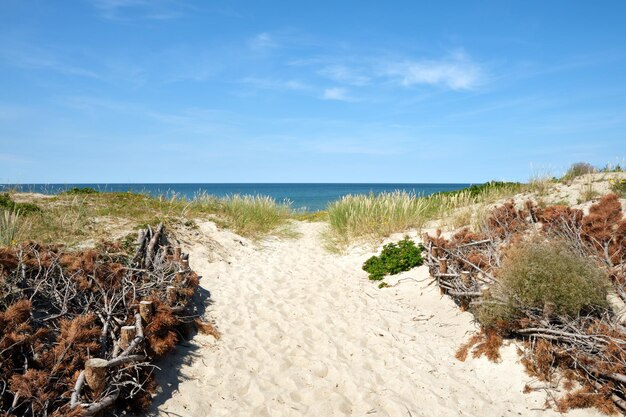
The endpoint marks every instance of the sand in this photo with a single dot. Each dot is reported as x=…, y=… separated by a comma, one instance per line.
x=304, y=333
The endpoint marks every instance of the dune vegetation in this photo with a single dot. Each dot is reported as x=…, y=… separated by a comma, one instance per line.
x=75, y=216
x=375, y=216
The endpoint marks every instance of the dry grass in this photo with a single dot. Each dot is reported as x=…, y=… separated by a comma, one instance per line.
x=9, y=227
x=357, y=217
x=74, y=218
x=248, y=215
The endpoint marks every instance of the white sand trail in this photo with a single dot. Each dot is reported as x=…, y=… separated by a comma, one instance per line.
x=304, y=333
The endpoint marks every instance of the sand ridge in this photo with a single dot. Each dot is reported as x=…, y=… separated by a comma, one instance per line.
x=304, y=333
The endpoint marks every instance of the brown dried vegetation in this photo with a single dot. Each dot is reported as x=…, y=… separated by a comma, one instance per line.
x=58, y=309
x=580, y=340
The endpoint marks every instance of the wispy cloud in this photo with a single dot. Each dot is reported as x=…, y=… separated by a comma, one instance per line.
x=263, y=42
x=28, y=56
x=276, y=84
x=345, y=74
x=336, y=93
x=457, y=72
x=139, y=9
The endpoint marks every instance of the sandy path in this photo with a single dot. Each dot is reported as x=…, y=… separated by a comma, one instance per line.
x=306, y=334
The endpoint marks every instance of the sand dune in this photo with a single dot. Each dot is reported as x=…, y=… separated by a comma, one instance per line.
x=306, y=334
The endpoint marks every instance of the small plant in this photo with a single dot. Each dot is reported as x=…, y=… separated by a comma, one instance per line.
x=393, y=259
x=587, y=191
x=9, y=227
x=191, y=224
x=80, y=191
x=618, y=186
x=25, y=208
x=535, y=273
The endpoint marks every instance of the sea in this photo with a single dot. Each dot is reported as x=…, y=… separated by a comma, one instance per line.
x=302, y=197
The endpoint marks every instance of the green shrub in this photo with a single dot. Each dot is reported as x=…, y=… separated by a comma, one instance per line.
x=535, y=273
x=578, y=169
x=394, y=259
x=80, y=191
x=618, y=186
x=7, y=203
x=490, y=187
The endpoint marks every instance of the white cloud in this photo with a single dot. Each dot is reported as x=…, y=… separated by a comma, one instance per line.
x=34, y=57
x=336, y=93
x=457, y=72
x=276, y=84
x=344, y=74
x=139, y=9
x=263, y=41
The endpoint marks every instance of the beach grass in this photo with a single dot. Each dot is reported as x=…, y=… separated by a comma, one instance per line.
x=75, y=217
x=371, y=216
x=9, y=227
x=356, y=216
x=248, y=215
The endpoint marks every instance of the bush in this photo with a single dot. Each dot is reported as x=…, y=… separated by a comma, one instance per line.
x=24, y=208
x=578, y=169
x=393, y=259
x=536, y=273
x=490, y=187
x=618, y=186
x=80, y=191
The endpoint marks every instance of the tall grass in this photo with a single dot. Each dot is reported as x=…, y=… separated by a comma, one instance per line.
x=9, y=227
x=376, y=216
x=248, y=215
x=72, y=218
x=355, y=216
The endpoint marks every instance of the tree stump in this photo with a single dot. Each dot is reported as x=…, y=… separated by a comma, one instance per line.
x=443, y=266
x=96, y=374
x=465, y=278
x=146, y=310
x=127, y=335
x=171, y=295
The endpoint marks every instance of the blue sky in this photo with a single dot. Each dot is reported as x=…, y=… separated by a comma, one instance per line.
x=324, y=91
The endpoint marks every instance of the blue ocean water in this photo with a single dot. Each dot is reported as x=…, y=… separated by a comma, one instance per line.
x=305, y=197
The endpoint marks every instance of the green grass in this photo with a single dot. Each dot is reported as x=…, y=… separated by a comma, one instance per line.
x=356, y=217
x=9, y=227
x=79, y=191
x=248, y=215
x=74, y=217
x=7, y=203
